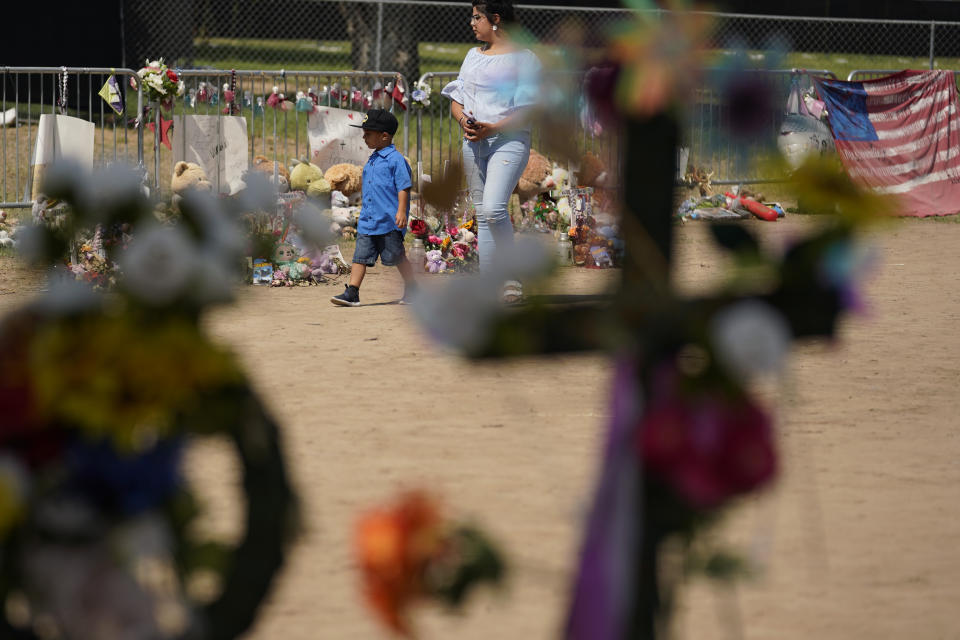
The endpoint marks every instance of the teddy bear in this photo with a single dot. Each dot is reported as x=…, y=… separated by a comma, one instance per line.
x=187, y=175
x=534, y=175
x=592, y=172
x=304, y=174
x=264, y=165
x=345, y=177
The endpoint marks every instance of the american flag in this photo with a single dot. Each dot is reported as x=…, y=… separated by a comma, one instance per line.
x=900, y=135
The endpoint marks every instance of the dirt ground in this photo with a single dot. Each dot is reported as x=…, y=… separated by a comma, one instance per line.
x=857, y=539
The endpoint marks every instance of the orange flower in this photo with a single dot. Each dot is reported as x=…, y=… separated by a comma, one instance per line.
x=393, y=545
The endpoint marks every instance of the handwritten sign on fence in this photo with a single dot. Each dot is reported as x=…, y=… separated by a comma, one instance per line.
x=333, y=140
x=216, y=143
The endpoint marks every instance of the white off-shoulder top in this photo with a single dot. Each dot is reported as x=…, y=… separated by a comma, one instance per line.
x=491, y=87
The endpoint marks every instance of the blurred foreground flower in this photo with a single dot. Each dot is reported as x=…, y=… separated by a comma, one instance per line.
x=707, y=447
x=660, y=58
x=408, y=553
x=99, y=396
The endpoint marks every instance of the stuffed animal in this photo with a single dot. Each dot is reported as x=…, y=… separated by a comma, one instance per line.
x=345, y=178
x=592, y=172
x=287, y=261
x=534, y=176
x=303, y=174
x=264, y=165
x=559, y=178
x=187, y=175
x=318, y=188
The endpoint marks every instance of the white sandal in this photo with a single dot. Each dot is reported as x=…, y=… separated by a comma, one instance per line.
x=512, y=292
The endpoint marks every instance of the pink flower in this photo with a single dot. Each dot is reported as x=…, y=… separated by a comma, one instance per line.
x=433, y=239
x=453, y=230
x=460, y=250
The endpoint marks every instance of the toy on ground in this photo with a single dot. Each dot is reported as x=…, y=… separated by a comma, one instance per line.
x=189, y=175
x=264, y=165
x=345, y=177
x=304, y=174
x=186, y=176
x=759, y=210
x=533, y=180
x=592, y=172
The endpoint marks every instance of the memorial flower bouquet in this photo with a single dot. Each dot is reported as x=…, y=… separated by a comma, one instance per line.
x=451, y=249
x=160, y=84
x=421, y=94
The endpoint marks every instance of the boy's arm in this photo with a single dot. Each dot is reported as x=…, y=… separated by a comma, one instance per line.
x=403, y=198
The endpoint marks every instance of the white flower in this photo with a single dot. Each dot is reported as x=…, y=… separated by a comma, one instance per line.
x=750, y=337
x=158, y=264
x=181, y=87
x=156, y=82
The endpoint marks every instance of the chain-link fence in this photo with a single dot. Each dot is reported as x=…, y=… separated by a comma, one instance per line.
x=416, y=37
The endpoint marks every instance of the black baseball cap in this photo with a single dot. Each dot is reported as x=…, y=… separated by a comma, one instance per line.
x=379, y=120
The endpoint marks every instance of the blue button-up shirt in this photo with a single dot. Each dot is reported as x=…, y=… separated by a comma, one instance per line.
x=385, y=175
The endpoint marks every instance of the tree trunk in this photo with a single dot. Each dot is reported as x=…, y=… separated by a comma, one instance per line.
x=398, y=46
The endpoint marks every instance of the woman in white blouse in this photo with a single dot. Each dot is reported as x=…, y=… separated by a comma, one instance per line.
x=491, y=96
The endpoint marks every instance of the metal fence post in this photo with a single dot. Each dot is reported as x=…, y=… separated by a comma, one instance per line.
x=933, y=26
x=376, y=65
x=420, y=158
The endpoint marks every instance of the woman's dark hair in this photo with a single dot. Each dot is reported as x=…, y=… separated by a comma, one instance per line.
x=503, y=8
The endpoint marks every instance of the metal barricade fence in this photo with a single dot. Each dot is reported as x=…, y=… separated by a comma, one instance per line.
x=734, y=118
x=278, y=134
x=29, y=92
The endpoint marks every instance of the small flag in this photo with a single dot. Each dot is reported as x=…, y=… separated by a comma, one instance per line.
x=111, y=94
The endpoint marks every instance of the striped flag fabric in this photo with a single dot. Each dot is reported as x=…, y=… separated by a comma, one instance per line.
x=900, y=135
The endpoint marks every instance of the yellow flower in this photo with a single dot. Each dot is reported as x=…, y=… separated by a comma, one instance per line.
x=446, y=242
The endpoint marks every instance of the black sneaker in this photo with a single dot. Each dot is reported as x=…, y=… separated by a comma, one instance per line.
x=409, y=293
x=349, y=298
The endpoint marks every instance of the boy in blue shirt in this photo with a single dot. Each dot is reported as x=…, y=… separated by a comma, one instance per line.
x=383, y=215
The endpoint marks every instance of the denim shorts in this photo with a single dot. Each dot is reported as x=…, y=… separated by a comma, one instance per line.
x=388, y=247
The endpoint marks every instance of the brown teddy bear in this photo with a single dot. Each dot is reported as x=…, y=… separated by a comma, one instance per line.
x=264, y=165
x=187, y=175
x=532, y=180
x=592, y=172
x=346, y=178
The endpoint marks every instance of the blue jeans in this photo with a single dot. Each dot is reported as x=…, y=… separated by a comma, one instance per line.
x=493, y=167
x=388, y=247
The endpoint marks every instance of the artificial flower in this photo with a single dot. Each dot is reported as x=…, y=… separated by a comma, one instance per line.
x=706, y=446
x=393, y=545
x=750, y=337
x=418, y=227
x=656, y=61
